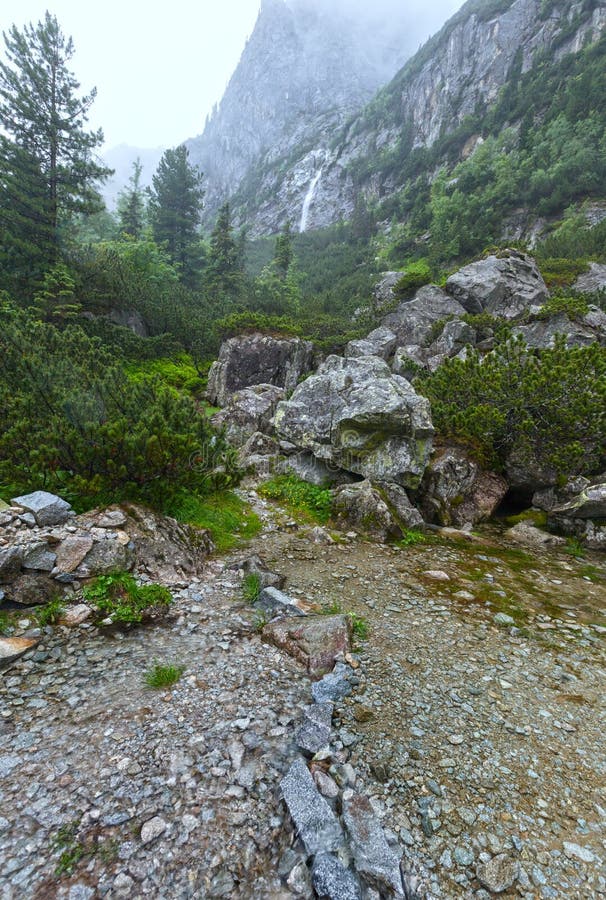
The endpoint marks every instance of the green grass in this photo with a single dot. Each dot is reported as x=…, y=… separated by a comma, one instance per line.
x=251, y=587
x=359, y=626
x=228, y=518
x=50, y=613
x=160, y=676
x=6, y=622
x=120, y=598
x=411, y=539
x=177, y=372
x=299, y=497
x=575, y=547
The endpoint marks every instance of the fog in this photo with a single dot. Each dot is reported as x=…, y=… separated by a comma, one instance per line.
x=159, y=70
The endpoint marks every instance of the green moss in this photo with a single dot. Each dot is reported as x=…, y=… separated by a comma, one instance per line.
x=537, y=517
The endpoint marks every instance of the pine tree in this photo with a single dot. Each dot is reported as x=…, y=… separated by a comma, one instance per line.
x=283, y=255
x=224, y=271
x=175, y=207
x=131, y=204
x=45, y=142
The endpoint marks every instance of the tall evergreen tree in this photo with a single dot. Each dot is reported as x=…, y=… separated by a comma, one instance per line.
x=175, y=206
x=224, y=269
x=45, y=141
x=283, y=255
x=131, y=204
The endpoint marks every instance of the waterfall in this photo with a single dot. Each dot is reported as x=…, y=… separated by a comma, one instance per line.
x=308, y=200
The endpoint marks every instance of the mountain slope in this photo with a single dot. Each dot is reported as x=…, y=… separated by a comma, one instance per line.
x=436, y=111
x=308, y=66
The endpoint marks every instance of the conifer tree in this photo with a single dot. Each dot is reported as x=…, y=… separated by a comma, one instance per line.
x=283, y=254
x=175, y=208
x=224, y=267
x=45, y=145
x=131, y=204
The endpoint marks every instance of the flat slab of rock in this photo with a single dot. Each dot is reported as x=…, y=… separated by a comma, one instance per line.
x=72, y=550
x=316, y=823
x=334, y=686
x=47, y=509
x=315, y=642
x=40, y=558
x=332, y=880
x=273, y=602
x=528, y=534
x=314, y=732
x=10, y=563
x=12, y=648
x=373, y=857
x=76, y=615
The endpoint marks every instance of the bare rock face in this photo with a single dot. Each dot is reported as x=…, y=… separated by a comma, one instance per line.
x=356, y=415
x=541, y=334
x=258, y=359
x=380, y=342
x=413, y=320
x=592, y=281
x=248, y=411
x=505, y=286
x=316, y=642
x=457, y=492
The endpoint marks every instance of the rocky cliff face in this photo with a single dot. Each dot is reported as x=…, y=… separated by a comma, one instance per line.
x=308, y=66
x=278, y=155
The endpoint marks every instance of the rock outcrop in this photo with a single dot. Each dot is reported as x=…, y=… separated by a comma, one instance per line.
x=258, y=359
x=455, y=490
x=506, y=286
x=247, y=412
x=593, y=281
x=356, y=415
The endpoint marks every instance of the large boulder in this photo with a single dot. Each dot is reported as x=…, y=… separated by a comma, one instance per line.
x=356, y=415
x=589, y=503
x=315, y=642
x=381, y=511
x=456, y=491
x=248, y=411
x=414, y=320
x=592, y=281
x=47, y=509
x=507, y=285
x=258, y=359
x=541, y=334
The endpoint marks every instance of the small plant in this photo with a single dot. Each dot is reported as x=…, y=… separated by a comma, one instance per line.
x=334, y=608
x=160, y=676
x=119, y=598
x=359, y=625
x=411, y=539
x=575, y=547
x=5, y=622
x=72, y=849
x=251, y=587
x=299, y=497
x=260, y=622
x=50, y=613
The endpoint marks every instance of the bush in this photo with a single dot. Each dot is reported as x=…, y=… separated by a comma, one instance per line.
x=416, y=275
x=118, y=597
x=299, y=497
x=548, y=405
x=160, y=676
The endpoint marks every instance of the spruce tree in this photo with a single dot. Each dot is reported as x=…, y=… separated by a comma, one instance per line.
x=131, y=205
x=45, y=143
x=224, y=271
x=283, y=255
x=175, y=207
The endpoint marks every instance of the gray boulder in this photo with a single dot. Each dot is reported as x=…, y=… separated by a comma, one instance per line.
x=332, y=881
x=455, y=490
x=47, y=509
x=11, y=559
x=506, y=286
x=254, y=565
x=381, y=511
x=588, y=504
x=248, y=411
x=373, y=858
x=356, y=415
x=541, y=334
x=592, y=281
x=316, y=823
x=383, y=293
x=314, y=731
x=254, y=359
x=407, y=361
x=414, y=320
x=380, y=342
x=273, y=602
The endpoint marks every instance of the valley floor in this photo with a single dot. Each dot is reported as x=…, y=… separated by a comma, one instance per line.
x=471, y=737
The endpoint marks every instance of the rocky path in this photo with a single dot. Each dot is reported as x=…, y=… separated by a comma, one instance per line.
x=480, y=742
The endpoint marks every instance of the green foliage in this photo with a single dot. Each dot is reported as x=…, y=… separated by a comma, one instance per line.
x=411, y=538
x=359, y=626
x=228, y=518
x=224, y=272
x=560, y=273
x=299, y=497
x=131, y=205
x=55, y=299
x=416, y=275
x=70, y=417
x=251, y=587
x=574, y=307
x=160, y=676
x=175, y=208
x=178, y=372
x=50, y=613
x=487, y=326
x=575, y=547
x=125, y=602
x=550, y=406
x=6, y=622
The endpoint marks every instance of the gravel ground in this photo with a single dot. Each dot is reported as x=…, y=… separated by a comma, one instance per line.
x=477, y=739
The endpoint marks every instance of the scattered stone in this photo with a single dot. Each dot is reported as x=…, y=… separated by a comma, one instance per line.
x=75, y=615
x=315, y=642
x=72, y=550
x=153, y=829
x=498, y=874
x=316, y=823
x=334, y=686
x=575, y=851
x=503, y=619
x=254, y=565
x=314, y=732
x=273, y=603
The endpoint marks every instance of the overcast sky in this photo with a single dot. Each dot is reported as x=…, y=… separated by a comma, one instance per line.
x=158, y=73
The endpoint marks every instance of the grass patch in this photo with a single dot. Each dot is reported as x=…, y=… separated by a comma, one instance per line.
x=6, y=622
x=160, y=676
x=411, y=539
x=359, y=626
x=536, y=517
x=50, y=613
x=299, y=497
x=575, y=547
x=228, y=518
x=119, y=598
x=177, y=372
x=251, y=587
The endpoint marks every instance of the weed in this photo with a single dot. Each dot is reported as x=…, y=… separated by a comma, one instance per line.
x=260, y=622
x=120, y=598
x=575, y=547
x=251, y=587
x=50, y=613
x=411, y=539
x=359, y=626
x=299, y=497
x=160, y=676
x=5, y=622
x=334, y=608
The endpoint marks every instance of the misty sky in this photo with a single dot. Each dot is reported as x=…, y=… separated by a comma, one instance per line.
x=158, y=73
